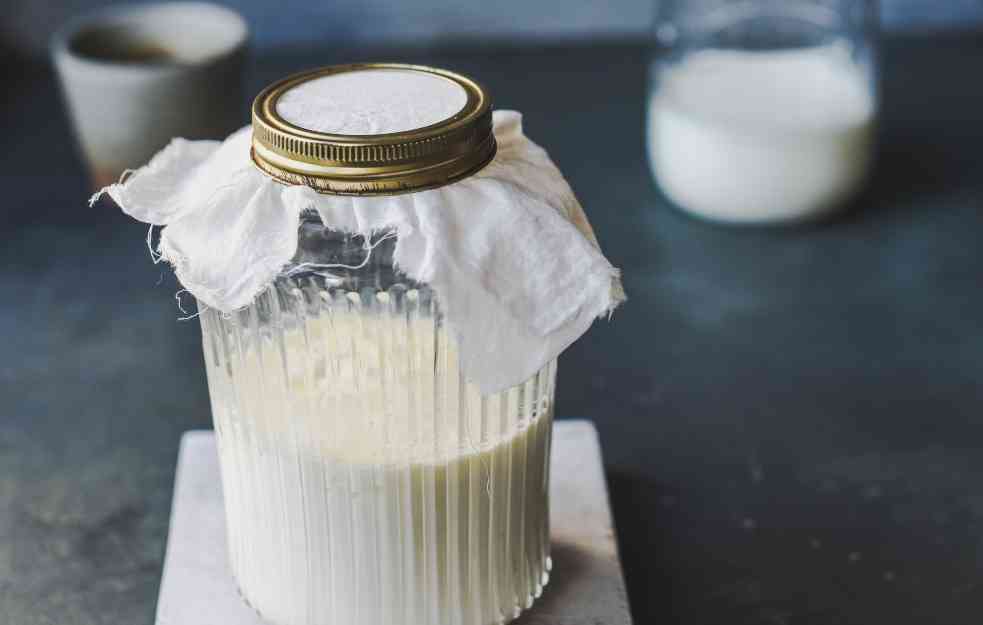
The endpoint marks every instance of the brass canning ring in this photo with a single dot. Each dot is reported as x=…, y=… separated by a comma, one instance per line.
x=381, y=164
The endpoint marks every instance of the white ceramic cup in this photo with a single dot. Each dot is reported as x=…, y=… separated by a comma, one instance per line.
x=133, y=77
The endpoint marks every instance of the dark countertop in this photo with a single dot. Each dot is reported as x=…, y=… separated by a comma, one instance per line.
x=791, y=419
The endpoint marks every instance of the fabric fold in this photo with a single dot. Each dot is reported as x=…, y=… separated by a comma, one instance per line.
x=509, y=251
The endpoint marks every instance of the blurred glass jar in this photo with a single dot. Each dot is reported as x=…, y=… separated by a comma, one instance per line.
x=366, y=480
x=762, y=111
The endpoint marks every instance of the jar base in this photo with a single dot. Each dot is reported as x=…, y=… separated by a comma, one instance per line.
x=517, y=610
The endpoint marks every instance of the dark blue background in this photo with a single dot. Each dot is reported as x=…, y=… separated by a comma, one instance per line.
x=791, y=419
x=27, y=24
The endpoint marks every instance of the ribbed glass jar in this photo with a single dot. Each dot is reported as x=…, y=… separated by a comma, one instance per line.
x=365, y=480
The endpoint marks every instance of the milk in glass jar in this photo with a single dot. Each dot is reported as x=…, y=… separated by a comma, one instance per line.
x=762, y=111
x=386, y=272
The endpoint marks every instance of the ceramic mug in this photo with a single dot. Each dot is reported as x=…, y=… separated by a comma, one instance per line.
x=133, y=77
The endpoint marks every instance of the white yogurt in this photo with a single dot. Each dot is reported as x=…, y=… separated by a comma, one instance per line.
x=770, y=136
x=361, y=491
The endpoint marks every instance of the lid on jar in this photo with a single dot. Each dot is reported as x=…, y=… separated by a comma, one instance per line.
x=372, y=129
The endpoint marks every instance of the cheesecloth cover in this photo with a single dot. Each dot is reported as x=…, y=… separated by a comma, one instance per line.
x=509, y=252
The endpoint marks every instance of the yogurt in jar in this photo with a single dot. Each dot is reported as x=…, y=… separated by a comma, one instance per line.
x=358, y=491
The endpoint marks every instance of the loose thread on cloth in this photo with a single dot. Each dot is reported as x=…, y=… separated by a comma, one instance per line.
x=155, y=256
x=98, y=194
x=367, y=245
x=180, y=306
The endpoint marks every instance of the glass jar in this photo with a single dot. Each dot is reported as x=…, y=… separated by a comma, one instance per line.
x=366, y=480
x=762, y=111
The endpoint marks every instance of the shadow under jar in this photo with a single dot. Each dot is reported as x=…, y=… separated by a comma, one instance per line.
x=366, y=480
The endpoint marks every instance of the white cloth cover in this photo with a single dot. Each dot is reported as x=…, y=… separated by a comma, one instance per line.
x=509, y=252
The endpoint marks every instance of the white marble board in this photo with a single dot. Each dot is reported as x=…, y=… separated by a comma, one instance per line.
x=586, y=586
